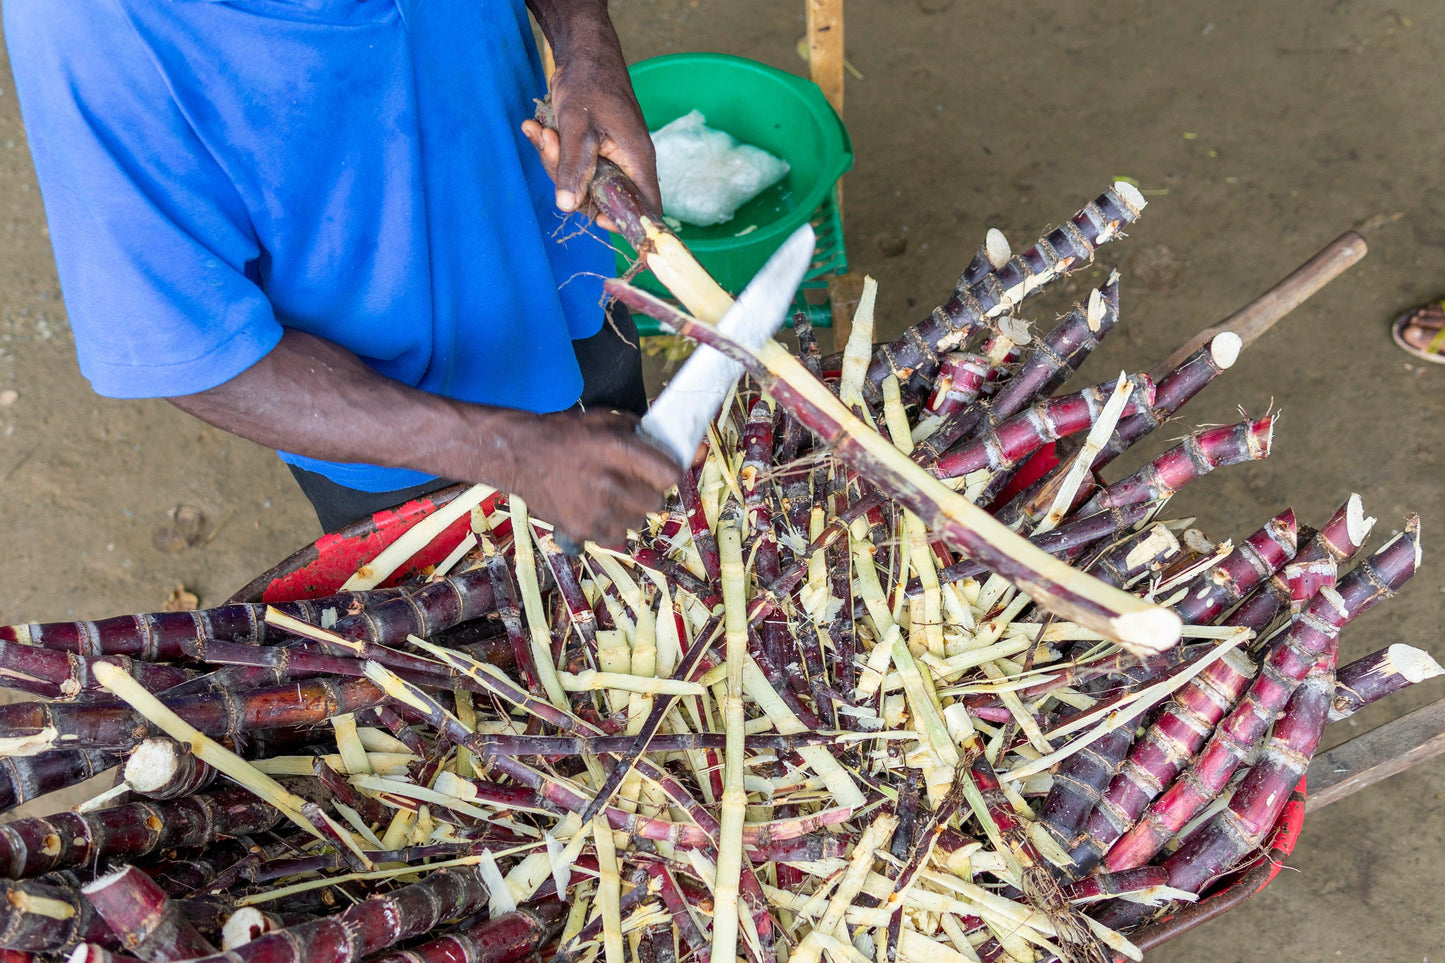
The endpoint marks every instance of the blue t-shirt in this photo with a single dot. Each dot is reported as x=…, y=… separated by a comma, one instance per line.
x=216, y=170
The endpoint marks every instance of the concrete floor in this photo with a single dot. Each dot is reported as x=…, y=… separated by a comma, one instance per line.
x=1260, y=132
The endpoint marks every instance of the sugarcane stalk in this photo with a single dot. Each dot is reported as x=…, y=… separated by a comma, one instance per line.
x=1009, y=444
x=143, y=918
x=371, y=925
x=1055, y=254
x=1284, y=668
x=1241, y=828
x=1128, y=620
x=155, y=637
x=38, y=845
x=1259, y=556
x=1381, y=673
x=1164, y=750
x=43, y=918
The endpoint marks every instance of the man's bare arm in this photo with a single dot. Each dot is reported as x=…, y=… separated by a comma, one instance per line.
x=588, y=473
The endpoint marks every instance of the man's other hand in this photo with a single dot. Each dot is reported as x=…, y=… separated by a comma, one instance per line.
x=596, y=111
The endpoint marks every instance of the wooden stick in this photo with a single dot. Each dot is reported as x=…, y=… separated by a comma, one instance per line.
x=1259, y=315
x=1376, y=755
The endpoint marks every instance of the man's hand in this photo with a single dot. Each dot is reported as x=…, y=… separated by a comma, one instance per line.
x=589, y=473
x=597, y=113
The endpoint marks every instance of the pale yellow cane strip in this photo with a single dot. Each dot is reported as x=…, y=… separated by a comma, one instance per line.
x=416, y=538
x=467, y=763
x=357, y=823
x=954, y=931
x=927, y=720
x=1027, y=724
x=444, y=567
x=877, y=835
x=214, y=754
x=282, y=892
x=348, y=744
x=1083, y=460
x=382, y=764
x=376, y=740
x=535, y=609
x=837, y=778
x=1115, y=715
x=609, y=890
x=734, y=797
x=591, y=680
x=421, y=794
x=859, y=349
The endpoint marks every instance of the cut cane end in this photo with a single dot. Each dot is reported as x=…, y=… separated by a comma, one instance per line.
x=1357, y=524
x=1131, y=195
x=1149, y=631
x=153, y=764
x=996, y=248
x=95, y=886
x=1225, y=348
x=1414, y=664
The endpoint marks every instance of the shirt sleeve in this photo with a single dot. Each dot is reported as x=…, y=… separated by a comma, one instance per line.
x=154, y=248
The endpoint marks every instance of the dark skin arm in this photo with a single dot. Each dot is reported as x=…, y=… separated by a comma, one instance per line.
x=586, y=472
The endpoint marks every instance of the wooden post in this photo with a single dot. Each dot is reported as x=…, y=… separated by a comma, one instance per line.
x=1378, y=754
x=825, y=48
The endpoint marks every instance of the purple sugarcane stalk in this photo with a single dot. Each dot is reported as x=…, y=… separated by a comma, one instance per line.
x=1379, y=674
x=23, y=778
x=502, y=939
x=1196, y=456
x=1161, y=754
x=1009, y=444
x=1226, y=584
x=958, y=384
x=39, y=726
x=1238, y=831
x=1284, y=668
x=154, y=637
x=1079, y=782
x=916, y=352
x=144, y=919
x=29, y=922
x=30, y=847
x=1050, y=361
x=371, y=925
x=66, y=676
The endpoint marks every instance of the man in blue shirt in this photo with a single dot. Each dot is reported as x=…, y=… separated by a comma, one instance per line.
x=320, y=225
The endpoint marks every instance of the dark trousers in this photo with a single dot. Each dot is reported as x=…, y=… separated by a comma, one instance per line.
x=611, y=378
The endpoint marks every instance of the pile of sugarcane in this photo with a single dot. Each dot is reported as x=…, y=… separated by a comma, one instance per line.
x=824, y=705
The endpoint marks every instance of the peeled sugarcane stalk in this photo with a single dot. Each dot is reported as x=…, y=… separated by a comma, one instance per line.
x=1124, y=618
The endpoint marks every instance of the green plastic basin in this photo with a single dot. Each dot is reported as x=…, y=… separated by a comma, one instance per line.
x=759, y=105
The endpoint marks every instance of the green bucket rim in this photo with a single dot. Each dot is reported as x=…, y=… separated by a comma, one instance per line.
x=835, y=133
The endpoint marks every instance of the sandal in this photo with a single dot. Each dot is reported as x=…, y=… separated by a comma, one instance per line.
x=1425, y=317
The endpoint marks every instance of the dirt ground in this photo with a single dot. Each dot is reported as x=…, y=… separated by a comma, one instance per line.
x=1259, y=131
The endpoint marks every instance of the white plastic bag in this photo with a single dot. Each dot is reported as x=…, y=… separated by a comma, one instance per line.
x=705, y=174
